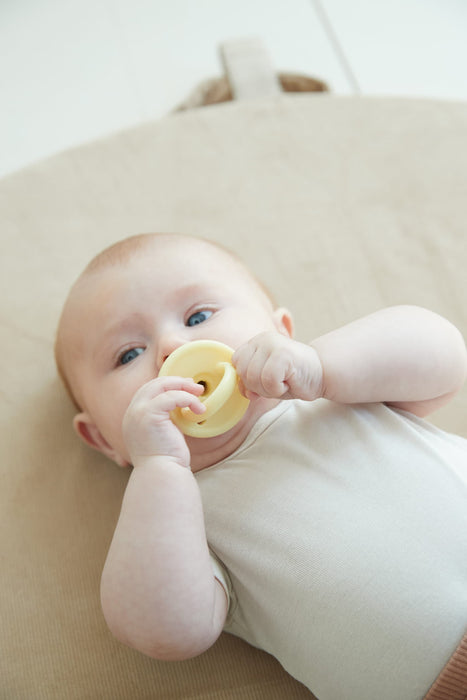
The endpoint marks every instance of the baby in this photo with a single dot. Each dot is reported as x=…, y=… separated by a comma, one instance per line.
x=327, y=527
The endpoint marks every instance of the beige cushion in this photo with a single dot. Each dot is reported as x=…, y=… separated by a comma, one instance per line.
x=341, y=205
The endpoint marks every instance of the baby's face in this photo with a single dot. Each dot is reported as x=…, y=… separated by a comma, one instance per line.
x=123, y=321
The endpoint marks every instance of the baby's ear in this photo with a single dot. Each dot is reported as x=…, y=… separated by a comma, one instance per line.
x=283, y=321
x=88, y=431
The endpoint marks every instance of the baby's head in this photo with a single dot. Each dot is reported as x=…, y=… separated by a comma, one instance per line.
x=133, y=305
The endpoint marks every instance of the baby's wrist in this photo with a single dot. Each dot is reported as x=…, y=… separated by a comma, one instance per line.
x=315, y=386
x=158, y=462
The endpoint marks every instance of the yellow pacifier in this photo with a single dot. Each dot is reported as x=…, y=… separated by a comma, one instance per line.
x=208, y=363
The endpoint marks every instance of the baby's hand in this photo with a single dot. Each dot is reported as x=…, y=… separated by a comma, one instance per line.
x=275, y=366
x=147, y=428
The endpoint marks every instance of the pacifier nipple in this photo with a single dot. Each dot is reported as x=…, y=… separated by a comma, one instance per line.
x=208, y=363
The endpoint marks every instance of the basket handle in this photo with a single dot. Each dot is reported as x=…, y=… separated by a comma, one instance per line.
x=249, y=69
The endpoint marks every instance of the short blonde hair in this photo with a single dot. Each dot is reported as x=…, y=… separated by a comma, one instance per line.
x=118, y=254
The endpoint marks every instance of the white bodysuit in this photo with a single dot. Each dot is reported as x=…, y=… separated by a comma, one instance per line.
x=340, y=535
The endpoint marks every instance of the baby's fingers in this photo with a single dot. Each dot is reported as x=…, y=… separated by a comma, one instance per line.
x=242, y=361
x=158, y=397
x=160, y=385
x=262, y=374
x=271, y=376
x=172, y=399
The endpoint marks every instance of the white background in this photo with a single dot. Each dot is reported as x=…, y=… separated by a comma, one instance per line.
x=74, y=70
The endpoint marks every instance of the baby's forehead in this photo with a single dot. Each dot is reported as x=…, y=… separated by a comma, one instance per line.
x=175, y=259
x=163, y=250
x=175, y=262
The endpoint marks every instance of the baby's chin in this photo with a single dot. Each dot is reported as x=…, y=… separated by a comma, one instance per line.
x=208, y=451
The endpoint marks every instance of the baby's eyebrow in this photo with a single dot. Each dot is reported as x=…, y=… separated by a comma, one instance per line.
x=191, y=290
x=136, y=320
x=123, y=325
x=115, y=330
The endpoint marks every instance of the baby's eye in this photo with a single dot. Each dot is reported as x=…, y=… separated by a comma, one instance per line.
x=198, y=317
x=129, y=355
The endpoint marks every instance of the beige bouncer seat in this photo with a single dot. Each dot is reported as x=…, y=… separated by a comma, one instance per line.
x=341, y=205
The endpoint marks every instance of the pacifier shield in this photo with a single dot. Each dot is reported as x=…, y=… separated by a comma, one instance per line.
x=207, y=362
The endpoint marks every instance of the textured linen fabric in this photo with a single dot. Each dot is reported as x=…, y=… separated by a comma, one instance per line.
x=342, y=530
x=340, y=205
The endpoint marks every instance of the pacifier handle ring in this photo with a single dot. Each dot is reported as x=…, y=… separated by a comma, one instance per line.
x=219, y=396
x=208, y=362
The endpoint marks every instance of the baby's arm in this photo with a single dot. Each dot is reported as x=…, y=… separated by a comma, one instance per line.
x=405, y=356
x=158, y=590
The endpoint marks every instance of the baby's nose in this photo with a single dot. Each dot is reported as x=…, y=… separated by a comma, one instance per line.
x=167, y=346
